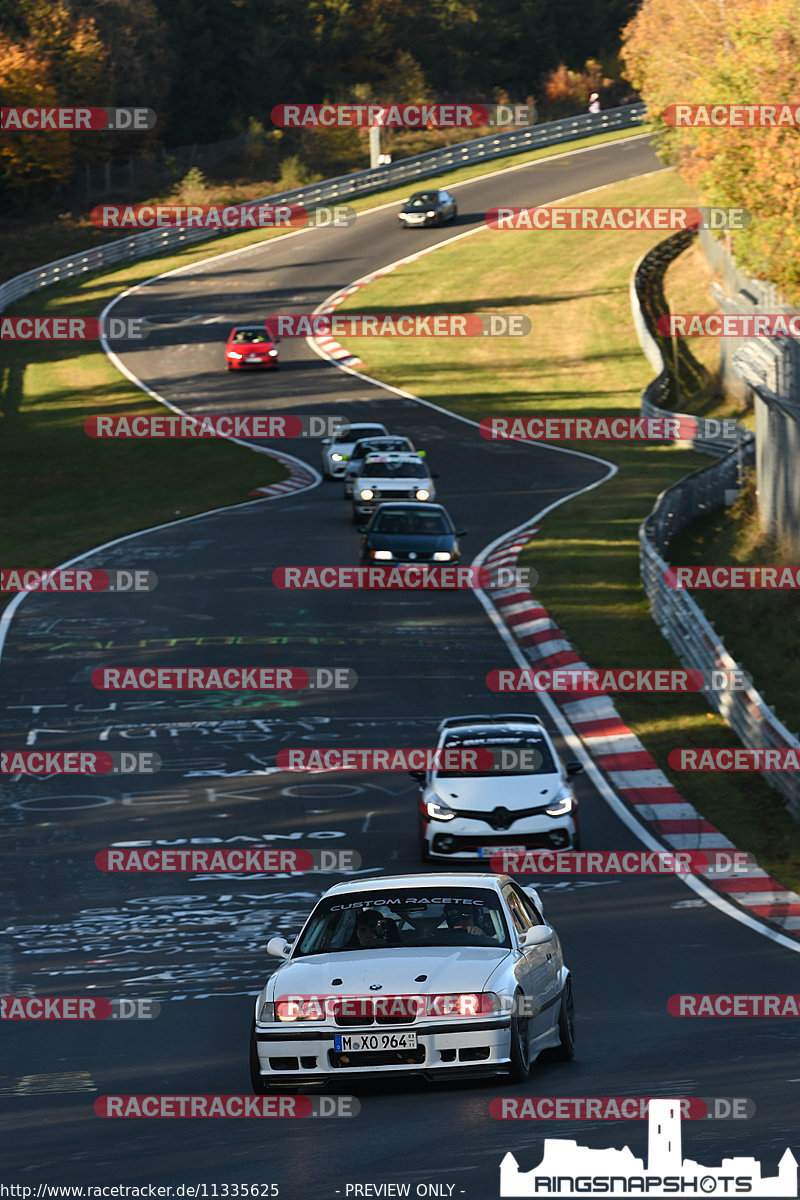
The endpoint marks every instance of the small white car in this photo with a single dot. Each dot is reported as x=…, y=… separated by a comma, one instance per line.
x=375, y=445
x=390, y=477
x=443, y=975
x=529, y=803
x=336, y=450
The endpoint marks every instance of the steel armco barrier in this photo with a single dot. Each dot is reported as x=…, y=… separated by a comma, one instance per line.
x=677, y=614
x=344, y=187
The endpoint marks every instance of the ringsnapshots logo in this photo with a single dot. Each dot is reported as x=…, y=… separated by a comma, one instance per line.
x=20, y=763
x=117, y=120
x=412, y=576
x=444, y=758
x=399, y=325
x=618, y=219
x=71, y=329
x=224, y=425
x=401, y=115
x=259, y=859
x=569, y=1170
x=232, y=679
x=73, y=579
x=222, y=217
x=732, y=116
x=77, y=1008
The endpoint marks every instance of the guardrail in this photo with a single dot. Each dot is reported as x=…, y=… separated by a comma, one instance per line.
x=680, y=619
x=343, y=187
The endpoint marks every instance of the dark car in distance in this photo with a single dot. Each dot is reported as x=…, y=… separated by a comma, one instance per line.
x=411, y=531
x=433, y=207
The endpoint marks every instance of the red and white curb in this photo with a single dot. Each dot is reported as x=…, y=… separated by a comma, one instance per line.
x=616, y=750
x=328, y=346
x=300, y=477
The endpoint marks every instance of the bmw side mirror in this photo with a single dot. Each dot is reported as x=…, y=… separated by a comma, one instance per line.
x=278, y=947
x=574, y=767
x=326, y=441
x=419, y=776
x=537, y=936
x=461, y=532
x=362, y=529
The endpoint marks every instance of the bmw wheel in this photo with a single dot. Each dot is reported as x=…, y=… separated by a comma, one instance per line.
x=566, y=1024
x=520, y=1065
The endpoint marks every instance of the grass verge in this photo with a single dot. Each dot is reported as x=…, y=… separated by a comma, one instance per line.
x=582, y=359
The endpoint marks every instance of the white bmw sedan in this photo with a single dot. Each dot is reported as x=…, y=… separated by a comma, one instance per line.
x=433, y=975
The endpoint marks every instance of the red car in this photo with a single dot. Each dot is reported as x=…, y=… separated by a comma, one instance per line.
x=250, y=346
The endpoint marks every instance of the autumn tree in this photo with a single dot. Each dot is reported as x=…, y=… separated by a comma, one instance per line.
x=729, y=52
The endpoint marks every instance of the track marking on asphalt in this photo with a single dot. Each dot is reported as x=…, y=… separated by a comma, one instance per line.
x=40, y=1085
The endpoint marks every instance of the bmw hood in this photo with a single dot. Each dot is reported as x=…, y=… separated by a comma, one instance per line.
x=485, y=792
x=446, y=969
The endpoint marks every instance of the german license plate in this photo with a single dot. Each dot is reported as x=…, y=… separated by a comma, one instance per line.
x=253, y=358
x=488, y=851
x=375, y=1041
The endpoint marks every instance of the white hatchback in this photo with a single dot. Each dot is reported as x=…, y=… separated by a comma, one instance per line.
x=336, y=450
x=390, y=477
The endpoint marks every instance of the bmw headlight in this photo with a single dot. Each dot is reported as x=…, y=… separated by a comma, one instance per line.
x=423, y=494
x=437, y=810
x=366, y=493
x=430, y=214
x=338, y=457
x=381, y=555
x=562, y=806
x=442, y=556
